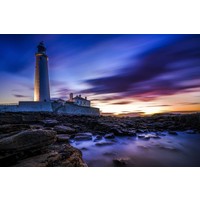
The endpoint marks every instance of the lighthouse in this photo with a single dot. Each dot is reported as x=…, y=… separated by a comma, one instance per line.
x=42, y=102
x=41, y=86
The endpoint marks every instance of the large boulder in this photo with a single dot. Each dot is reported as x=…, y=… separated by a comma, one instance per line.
x=60, y=129
x=58, y=156
x=29, y=139
x=8, y=128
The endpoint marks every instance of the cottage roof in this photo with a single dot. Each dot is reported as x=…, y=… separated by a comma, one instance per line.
x=81, y=98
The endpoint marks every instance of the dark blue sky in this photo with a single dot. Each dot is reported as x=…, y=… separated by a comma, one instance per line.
x=117, y=71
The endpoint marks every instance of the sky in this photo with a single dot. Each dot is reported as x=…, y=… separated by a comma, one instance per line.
x=121, y=74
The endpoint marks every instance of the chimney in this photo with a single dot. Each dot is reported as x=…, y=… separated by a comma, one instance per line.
x=71, y=97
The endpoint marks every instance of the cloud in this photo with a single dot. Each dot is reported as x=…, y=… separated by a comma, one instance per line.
x=115, y=67
x=162, y=105
x=158, y=73
x=190, y=103
x=61, y=93
x=121, y=103
x=20, y=96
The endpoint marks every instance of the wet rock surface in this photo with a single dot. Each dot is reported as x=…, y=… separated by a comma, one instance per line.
x=83, y=136
x=60, y=129
x=121, y=162
x=9, y=128
x=148, y=136
x=27, y=140
x=63, y=138
x=49, y=122
x=97, y=138
x=109, y=136
x=43, y=139
x=56, y=156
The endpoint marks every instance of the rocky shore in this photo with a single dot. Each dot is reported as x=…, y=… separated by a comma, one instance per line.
x=43, y=139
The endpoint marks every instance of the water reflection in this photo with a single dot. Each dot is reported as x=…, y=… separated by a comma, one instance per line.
x=168, y=150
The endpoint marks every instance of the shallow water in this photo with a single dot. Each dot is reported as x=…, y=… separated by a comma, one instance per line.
x=169, y=150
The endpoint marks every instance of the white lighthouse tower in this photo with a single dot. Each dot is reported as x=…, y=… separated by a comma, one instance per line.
x=41, y=86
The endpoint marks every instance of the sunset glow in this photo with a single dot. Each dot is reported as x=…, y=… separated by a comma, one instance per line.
x=121, y=74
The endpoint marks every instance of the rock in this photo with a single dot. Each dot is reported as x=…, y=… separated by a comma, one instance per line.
x=84, y=149
x=117, y=131
x=60, y=156
x=109, y=136
x=120, y=162
x=123, y=132
x=97, y=138
x=141, y=136
x=140, y=131
x=10, y=118
x=76, y=126
x=172, y=127
x=172, y=133
x=64, y=129
x=30, y=118
x=29, y=139
x=104, y=143
x=154, y=136
x=132, y=133
x=50, y=122
x=63, y=138
x=36, y=126
x=156, y=124
x=160, y=134
x=83, y=136
x=80, y=138
x=144, y=137
x=148, y=136
x=8, y=128
x=72, y=136
x=190, y=132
